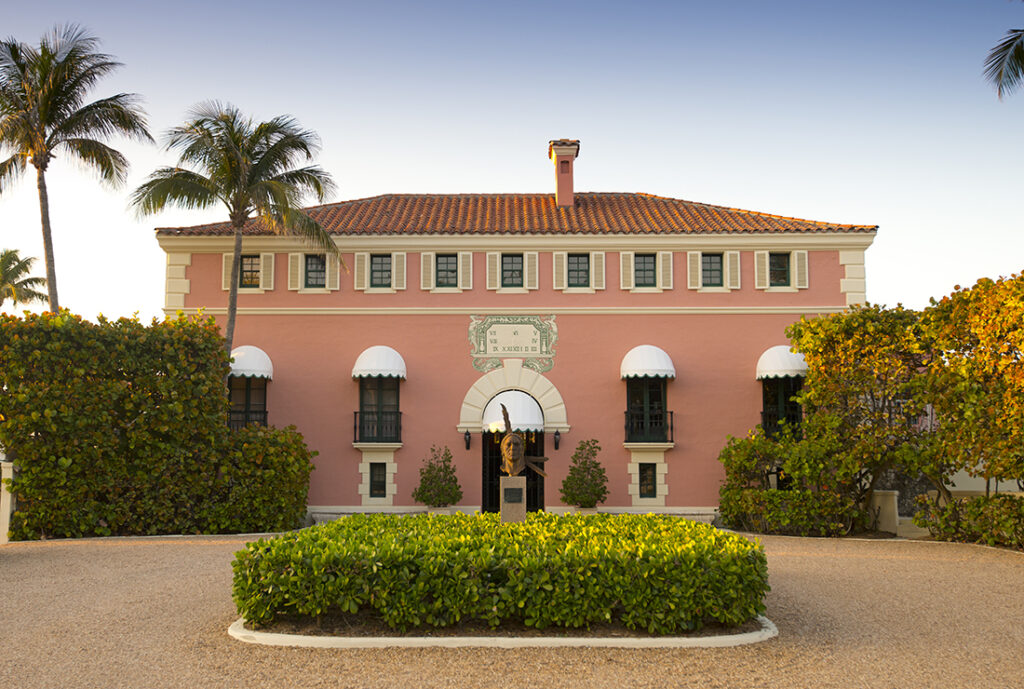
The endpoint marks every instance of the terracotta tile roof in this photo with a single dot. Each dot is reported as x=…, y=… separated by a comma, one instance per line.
x=521, y=214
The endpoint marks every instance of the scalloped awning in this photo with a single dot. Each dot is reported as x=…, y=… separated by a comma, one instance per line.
x=379, y=361
x=251, y=362
x=523, y=411
x=780, y=362
x=647, y=360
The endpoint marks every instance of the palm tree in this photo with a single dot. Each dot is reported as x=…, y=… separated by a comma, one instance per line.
x=14, y=282
x=1004, y=66
x=42, y=112
x=251, y=169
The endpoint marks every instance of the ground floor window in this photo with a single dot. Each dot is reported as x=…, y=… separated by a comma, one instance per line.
x=248, y=401
x=648, y=477
x=378, y=480
x=779, y=405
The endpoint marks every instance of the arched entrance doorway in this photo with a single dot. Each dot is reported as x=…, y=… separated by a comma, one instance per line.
x=527, y=420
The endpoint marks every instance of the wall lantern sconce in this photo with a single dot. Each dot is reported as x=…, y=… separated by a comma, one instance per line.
x=558, y=439
x=467, y=438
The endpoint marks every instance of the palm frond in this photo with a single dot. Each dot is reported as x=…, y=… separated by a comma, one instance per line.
x=295, y=221
x=312, y=180
x=173, y=186
x=10, y=170
x=1004, y=66
x=110, y=165
x=120, y=114
x=13, y=281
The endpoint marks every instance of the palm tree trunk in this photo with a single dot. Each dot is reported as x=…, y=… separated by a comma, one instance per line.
x=44, y=214
x=236, y=263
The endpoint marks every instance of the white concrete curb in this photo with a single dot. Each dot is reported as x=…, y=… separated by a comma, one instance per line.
x=767, y=631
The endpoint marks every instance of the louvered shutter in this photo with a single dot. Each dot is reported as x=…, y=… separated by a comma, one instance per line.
x=530, y=259
x=465, y=270
x=693, y=270
x=361, y=270
x=333, y=272
x=225, y=274
x=493, y=270
x=626, y=280
x=597, y=269
x=760, y=270
x=799, y=260
x=426, y=271
x=665, y=269
x=398, y=271
x=267, y=271
x=295, y=267
x=732, y=269
x=558, y=267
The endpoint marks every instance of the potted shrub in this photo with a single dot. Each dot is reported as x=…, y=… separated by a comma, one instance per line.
x=586, y=485
x=439, y=487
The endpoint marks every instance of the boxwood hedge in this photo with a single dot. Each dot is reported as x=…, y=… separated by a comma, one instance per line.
x=660, y=574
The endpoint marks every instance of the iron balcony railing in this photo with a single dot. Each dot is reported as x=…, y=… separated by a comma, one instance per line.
x=240, y=419
x=770, y=420
x=650, y=427
x=378, y=427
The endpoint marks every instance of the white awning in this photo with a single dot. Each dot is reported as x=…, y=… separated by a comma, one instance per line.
x=523, y=411
x=780, y=362
x=379, y=361
x=647, y=360
x=251, y=362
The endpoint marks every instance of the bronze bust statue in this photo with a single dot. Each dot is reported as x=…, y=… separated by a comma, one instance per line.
x=513, y=452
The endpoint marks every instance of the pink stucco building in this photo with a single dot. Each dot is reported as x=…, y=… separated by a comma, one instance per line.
x=645, y=322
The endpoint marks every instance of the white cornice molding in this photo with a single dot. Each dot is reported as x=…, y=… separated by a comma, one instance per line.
x=462, y=311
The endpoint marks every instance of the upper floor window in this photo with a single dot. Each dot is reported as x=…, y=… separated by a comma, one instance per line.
x=249, y=272
x=511, y=270
x=778, y=270
x=379, y=417
x=380, y=270
x=711, y=270
x=579, y=270
x=446, y=272
x=316, y=270
x=779, y=403
x=647, y=419
x=645, y=272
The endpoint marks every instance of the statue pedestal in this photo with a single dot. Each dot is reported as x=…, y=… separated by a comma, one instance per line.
x=513, y=498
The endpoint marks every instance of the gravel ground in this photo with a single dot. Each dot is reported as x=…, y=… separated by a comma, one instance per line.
x=154, y=613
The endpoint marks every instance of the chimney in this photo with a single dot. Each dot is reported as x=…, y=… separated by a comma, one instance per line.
x=562, y=153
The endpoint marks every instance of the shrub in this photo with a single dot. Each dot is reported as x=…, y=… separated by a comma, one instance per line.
x=586, y=484
x=658, y=573
x=789, y=512
x=439, y=486
x=994, y=520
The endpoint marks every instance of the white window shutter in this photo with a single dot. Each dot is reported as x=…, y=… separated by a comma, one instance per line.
x=465, y=270
x=267, y=271
x=530, y=259
x=693, y=270
x=426, y=271
x=799, y=261
x=295, y=269
x=493, y=270
x=626, y=278
x=398, y=271
x=665, y=269
x=226, y=271
x=333, y=272
x=760, y=270
x=732, y=269
x=558, y=267
x=597, y=269
x=362, y=270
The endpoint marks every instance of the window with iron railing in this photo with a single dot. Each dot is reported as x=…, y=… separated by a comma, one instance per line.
x=779, y=404
x=647, y=419
x=248, y=402
x=378, y=419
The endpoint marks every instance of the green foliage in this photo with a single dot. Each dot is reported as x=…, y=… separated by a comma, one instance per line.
x=120, y=428
x=15, y=283
x=658, y=573
x=791, y=512
x=586, y=484
x=993, y=520
x=439, y=486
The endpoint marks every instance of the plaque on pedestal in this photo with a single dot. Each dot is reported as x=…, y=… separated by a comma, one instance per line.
x=513, y=498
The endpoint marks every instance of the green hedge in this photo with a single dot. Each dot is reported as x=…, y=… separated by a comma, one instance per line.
x=120, y=428
x=662, y=574
x=994, y=520
x=789, y=512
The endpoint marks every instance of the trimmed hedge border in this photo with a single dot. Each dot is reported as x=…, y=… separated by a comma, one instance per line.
x=997, y=520
x=662, y=574
x=788, y=512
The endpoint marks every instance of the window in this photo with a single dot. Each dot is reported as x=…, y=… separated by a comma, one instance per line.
x=778, y=270
x=779, y=404
x=379, y=420
x=579, y=270
x=648, y=476
x=380, y=270
x=378, y=480
x=711, y=270
x=646, y=417
x=446, y=272
x=248, y=401
x=249, y=273
x=316, y=270
x=644, y=270
x=511, y=270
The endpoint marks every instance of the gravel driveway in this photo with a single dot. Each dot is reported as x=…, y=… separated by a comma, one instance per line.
x=154, y=613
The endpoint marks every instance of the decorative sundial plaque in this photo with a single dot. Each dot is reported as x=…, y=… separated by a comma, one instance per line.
x=497, y=337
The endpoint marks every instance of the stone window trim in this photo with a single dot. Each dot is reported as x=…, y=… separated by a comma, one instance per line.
x=264, y=270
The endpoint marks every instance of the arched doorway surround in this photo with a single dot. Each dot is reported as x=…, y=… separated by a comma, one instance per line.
x=512, y=376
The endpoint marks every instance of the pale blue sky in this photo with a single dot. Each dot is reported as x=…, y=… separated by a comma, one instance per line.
x=855, y=112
